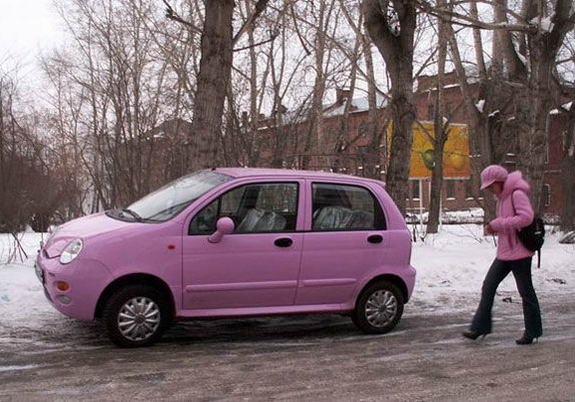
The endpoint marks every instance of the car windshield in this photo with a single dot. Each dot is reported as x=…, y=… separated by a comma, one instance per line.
x=170, y=200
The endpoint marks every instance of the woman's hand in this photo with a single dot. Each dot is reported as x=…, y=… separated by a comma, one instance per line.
x=488, y=230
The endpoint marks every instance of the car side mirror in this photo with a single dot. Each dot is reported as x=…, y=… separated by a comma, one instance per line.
x=224, y=226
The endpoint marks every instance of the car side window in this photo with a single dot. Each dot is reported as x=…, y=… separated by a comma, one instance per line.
x=345, y=207
x=204, y=223
x=254, y=208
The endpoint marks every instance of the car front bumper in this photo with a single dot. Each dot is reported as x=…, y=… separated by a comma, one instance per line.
x=86, y=281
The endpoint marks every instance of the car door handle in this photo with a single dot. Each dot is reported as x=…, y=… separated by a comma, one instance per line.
x=375, y=239
x=283, y=242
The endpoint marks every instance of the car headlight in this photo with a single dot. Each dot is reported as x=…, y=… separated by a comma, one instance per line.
x=71, y=251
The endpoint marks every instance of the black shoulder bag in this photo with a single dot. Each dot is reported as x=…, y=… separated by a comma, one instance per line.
x=531, y=236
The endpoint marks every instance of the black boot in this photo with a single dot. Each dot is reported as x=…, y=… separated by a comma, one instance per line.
x=525, y=340
x=471, y=334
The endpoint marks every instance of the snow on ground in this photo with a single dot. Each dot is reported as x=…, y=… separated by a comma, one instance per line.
x=452, y=264
x=22, y=301
x=450, y=269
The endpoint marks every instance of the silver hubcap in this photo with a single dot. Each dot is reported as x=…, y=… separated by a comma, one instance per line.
x=139, y=318
x=381, y=308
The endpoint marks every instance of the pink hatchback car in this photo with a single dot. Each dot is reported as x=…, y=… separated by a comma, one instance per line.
x=234, y=242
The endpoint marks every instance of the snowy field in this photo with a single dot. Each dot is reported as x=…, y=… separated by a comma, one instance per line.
x=450, y=269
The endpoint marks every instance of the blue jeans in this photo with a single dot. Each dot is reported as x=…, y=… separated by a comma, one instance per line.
x=522, y=272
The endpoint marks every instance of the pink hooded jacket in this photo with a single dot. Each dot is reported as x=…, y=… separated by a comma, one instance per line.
x=510, y=220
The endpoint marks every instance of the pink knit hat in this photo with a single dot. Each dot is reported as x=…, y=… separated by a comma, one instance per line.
x=491, y=174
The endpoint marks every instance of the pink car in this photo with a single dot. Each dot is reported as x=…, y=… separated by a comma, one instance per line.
x=234, y=242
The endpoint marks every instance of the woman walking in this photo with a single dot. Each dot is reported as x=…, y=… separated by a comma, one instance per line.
x=514, y=212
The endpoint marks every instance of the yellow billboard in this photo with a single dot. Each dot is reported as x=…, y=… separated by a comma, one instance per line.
x=455, y=153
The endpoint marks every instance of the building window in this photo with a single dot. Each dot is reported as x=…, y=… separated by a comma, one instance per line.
x=546, y=195
x=431, y=111
x=469, y=189
x=450, y=189
x=547, y=122
x=415, y=194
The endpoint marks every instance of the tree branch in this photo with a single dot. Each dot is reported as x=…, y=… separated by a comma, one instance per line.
x=298, y=33
x=270, y=39
x=172, y=15
x=259, y=8
x=471, y=22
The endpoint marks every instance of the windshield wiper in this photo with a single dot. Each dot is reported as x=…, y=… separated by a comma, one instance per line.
x=173, y=210
x=134, y=214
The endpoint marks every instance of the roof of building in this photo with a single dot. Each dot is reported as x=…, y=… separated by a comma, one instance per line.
x=357, y=105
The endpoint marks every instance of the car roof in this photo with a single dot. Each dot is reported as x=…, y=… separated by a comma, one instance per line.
x=263, y=172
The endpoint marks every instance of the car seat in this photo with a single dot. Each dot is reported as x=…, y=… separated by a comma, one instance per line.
x=257, y=220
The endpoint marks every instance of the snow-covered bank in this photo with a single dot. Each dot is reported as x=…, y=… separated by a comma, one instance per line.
x=450, y=269
x=22, y=301
x=452, y=264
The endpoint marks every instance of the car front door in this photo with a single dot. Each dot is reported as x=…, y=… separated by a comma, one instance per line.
x=255, y=266
x=346, y=238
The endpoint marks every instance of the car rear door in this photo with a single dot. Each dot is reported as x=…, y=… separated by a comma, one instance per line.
x=345, y=239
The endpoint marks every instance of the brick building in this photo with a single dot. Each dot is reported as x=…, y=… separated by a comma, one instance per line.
x=357, y=151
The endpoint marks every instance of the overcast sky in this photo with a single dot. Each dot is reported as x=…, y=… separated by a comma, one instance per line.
x=27, y=28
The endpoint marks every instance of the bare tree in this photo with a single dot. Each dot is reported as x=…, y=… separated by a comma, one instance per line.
x=374, y=130
x=568, y=173
x=539, y=90
x=522, y=80
x=119, y=88
x=33, y=181
x=391, y=26
x=212, y=82
x=254, y=67
x=440, y=126
x=324, y=22
x=486, y=101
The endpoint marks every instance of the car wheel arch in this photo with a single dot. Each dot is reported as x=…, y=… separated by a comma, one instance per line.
x=394, y=279
x=134, y=279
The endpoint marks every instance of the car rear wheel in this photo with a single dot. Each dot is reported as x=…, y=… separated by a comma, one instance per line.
x=135, y=316
x=379, y=308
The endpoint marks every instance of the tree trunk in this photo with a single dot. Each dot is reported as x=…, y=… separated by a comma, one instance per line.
x=315, y=137
x=377, y=130
x=568, y=177
x=479, y=135
x=478, y=43
x=535, y=97
x=440, y=133
x=393, y=35
x=213, y=79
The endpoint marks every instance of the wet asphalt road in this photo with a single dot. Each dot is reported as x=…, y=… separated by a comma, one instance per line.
x=299, y=358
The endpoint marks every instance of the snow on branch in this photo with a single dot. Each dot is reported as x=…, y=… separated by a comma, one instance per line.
x=480, y=105
x=566, y=107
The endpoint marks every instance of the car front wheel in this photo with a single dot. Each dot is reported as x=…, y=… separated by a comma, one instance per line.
x=136, y=316
x=379, y=308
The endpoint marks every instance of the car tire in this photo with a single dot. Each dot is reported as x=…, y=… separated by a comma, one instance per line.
x=136, y=315
x=379, y=308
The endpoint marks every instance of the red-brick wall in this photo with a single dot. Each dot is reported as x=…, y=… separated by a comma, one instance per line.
x=557, y=129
